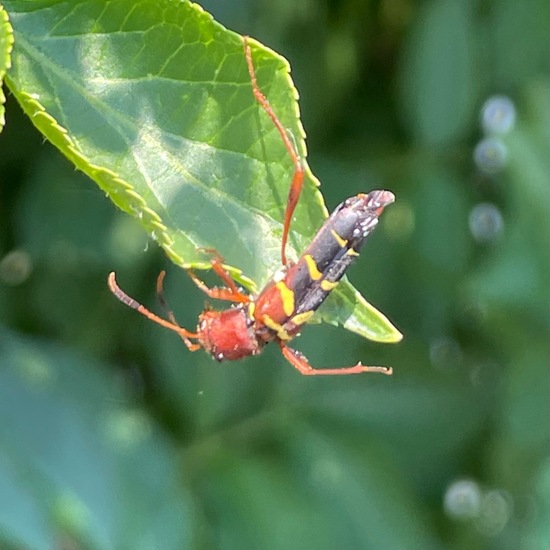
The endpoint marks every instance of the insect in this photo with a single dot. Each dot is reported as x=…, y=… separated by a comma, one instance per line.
x=288, y=301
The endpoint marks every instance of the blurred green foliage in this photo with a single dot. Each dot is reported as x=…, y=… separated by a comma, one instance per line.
x=112, y=435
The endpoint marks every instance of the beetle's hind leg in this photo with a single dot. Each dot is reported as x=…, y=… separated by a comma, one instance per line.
x=300, y=362
x=298, y=177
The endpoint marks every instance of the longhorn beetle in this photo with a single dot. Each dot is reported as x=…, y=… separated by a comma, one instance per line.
x=294, y=293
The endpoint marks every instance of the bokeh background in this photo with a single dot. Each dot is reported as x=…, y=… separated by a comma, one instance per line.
x=112, y=435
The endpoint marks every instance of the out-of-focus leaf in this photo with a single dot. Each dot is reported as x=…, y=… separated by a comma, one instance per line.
x=439, y=82
x=23, y=518
x=441, y=230
x=83, y=455
x=537, y=533
x=511, y=288
x=245, y=493
x=6, y=44
x=516, y=271
x=63, y=219
x=367, y=504
x=435, y=259
x=518, y=30
x=402, y=411
x=524, y=419
x=154, y=102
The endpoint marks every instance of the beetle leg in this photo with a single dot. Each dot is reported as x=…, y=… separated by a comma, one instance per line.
x=232, y=293
x=300, y=362
x=298, y=177
x=172, y=324
x=219, y=293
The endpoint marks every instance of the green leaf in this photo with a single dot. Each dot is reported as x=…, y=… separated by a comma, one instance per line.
x=154, y=102
x=348, y=308
x=78, y=457
x=6, y=45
